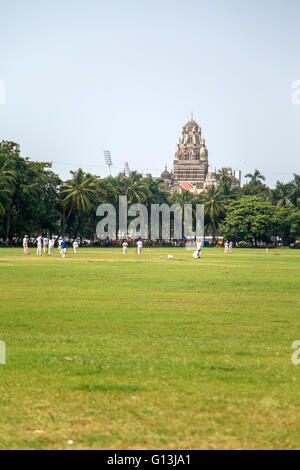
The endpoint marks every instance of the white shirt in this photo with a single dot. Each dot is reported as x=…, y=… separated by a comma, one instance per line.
x=140, y=243
x=39, y=241
x=25, y=241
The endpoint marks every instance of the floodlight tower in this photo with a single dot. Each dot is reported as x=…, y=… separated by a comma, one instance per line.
x=126, y=169
x=107, y=159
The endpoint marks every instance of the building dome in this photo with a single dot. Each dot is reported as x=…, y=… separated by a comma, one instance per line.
x=166, y=175
x=192, y=126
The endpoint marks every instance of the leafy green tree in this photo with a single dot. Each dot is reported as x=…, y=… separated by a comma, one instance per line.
x=294, y=221
x=32, y=202
x=281, y=222
x=249, y=218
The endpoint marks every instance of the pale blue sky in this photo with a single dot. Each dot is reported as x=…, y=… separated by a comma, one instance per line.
x=86, y=75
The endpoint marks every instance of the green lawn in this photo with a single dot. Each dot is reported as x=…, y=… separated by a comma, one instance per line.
x=166, y=353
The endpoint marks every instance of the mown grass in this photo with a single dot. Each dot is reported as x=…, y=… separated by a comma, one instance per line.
x=166, y=353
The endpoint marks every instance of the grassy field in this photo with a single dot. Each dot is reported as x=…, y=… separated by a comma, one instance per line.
x=166, y=353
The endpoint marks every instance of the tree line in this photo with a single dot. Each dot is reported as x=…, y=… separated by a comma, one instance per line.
x=34, y=199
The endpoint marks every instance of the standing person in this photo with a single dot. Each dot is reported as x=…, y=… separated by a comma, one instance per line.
x=230, y=247
x=51, y=247
x=45, y=244
x=75, y=245
x=25, y=245
x=139, y=246
x=63, y=248
x=226, y=247
x=59, y=244
x=39, y=245
x=125, y=246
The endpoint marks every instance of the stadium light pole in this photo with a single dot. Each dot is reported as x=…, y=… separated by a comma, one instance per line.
x=107, y=159
x=126, y=169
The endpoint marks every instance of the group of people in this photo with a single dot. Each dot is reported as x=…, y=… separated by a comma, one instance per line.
x=46, y=245
x=228, y=247
x=139, y=246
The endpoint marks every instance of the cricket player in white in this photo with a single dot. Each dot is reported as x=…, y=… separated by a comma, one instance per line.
x=39, y=245
x=25, y=245
x=139, y=247
x=59, y=244
x=75, y=245
x=226, y=247
x=197, y=253
x=125, y=246
x=230, y=247
x=51, y=247
x=45, y=244
x=199, y=248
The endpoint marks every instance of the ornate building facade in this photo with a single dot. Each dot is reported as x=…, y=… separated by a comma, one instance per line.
x=190, y=161
x=191, y=171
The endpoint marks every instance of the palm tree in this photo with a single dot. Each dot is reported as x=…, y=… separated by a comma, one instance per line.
x=296, y=188
x=77, y=193
x=135, y=188
x=256, y=178
x=213, y=207
x=157, y=190
x=296, y=180
x=283, y=194
x=224, y=176
x=185, y=197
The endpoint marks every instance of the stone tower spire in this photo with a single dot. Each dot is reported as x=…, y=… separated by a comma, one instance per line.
x=191, y=156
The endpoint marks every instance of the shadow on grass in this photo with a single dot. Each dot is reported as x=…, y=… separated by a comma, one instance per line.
x=110, y=388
